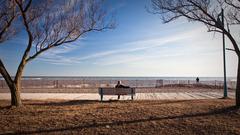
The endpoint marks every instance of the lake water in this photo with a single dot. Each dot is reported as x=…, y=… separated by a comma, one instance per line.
x=121, y=78
x=95, y=82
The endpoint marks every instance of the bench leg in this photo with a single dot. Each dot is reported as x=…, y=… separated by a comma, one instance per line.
x=118, y=97
x=101, y=94
x=132, y=94
x=101, y=97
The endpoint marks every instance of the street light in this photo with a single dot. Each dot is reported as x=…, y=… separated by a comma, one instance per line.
x=225, y=94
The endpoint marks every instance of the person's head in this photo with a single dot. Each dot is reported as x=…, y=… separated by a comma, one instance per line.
x=119, y=82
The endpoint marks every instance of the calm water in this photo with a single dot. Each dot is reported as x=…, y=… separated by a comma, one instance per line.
x=121, y=78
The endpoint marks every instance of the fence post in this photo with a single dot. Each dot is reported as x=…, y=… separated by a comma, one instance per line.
x=41, y=83
x=215, y=83
x=56, y=83
x=132, y=93
x=101, y=92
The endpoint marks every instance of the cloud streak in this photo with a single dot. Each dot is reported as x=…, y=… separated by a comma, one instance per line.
x=58, y=56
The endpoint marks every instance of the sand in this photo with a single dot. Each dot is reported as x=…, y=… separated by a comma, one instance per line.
x=121, y=117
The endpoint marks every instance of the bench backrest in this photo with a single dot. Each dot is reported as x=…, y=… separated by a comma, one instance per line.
x=116, y=91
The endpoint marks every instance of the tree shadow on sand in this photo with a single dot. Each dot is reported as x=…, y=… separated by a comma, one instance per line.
x=5, y=107
x=72, y=102
x=64, y=103
x=227, y=110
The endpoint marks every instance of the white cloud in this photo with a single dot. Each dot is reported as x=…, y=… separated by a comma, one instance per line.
x=142, y=45
x=56, y=55
x=141, y=50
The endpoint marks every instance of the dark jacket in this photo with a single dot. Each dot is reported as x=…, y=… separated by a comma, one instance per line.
x=121, y=86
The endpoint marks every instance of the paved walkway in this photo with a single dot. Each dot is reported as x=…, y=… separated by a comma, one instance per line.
x=138, y=96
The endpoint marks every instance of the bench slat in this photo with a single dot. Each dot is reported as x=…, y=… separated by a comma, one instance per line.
x=116, y=91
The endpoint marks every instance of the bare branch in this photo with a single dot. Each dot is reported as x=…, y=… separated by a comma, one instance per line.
x=67, y=23
x=49, y=24
x=7, y=16
x=204, y=11
x=30, y=40
x=214, y=30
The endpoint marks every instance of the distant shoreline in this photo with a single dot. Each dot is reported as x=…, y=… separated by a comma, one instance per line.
x=120, y=78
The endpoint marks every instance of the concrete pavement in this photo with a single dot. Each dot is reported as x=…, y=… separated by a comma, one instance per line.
x=138, y=96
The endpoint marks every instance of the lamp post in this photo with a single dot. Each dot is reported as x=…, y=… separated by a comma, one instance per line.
x=225, y=93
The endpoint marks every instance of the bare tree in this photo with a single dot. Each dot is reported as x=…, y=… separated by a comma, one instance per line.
x=233, y=12
x=206, y=12
x=50, y=24
x=7, y=15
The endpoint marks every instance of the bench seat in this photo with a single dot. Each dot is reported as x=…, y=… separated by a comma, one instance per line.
x=116, y=91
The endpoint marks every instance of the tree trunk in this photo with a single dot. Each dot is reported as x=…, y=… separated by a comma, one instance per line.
x=15, y=95
x=238, y=85
x=237, y=51
x=14, y=86
x=16, y=100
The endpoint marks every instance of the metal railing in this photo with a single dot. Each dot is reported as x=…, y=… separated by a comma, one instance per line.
x=46, y=83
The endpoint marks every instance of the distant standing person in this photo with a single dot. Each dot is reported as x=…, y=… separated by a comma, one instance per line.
x=119, y=85
x=197, y=80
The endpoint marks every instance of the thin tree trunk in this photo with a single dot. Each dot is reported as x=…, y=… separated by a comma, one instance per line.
x=238, y=85
x=237, y=51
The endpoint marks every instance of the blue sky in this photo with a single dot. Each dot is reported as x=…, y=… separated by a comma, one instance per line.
x=140, y=45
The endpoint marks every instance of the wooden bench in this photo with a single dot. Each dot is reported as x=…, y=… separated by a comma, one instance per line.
x=116, y=91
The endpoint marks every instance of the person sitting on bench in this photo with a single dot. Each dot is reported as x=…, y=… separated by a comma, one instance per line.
x=119, y=85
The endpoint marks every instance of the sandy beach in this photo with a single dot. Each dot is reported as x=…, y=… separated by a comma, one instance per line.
x=190, y=117
x=177, y=109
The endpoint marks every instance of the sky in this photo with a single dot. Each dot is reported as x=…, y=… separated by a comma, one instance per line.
x=140, y=45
